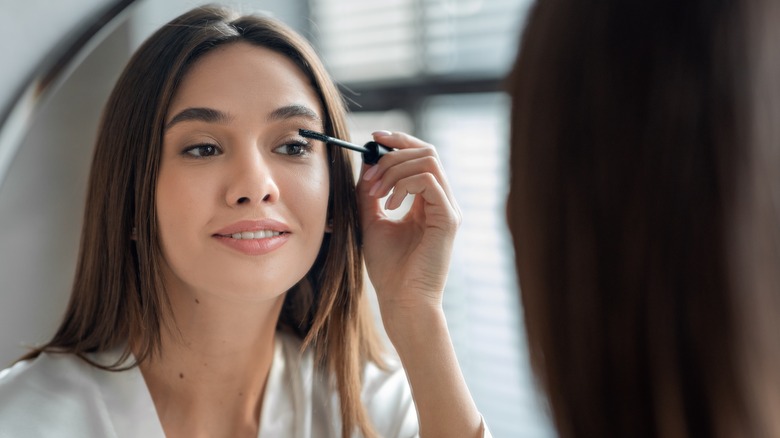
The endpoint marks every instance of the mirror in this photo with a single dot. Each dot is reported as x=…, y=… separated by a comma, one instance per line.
x=46, y=139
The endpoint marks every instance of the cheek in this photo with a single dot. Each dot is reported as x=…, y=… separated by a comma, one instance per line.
x=180, y=201
x=309, y=191
x=167, y=203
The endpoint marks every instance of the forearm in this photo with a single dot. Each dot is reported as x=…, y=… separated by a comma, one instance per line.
x=444, y=405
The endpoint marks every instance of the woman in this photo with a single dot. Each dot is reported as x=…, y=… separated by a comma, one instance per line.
x=644, y=213
x=219, y=285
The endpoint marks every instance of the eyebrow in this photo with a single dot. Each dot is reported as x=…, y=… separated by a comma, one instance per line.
x=291, y=111
x=208, y=115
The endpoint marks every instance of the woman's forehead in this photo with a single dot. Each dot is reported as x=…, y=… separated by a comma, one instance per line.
x=242, y=76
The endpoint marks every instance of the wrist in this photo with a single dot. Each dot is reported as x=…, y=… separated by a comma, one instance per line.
x=409, y=330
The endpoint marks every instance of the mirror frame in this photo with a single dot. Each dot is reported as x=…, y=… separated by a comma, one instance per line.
x=17, y=117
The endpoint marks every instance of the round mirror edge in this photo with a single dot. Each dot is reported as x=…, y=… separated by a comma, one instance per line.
x=17, y=116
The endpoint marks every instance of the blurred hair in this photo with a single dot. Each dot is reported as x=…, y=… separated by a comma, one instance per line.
x=645, y=210
x=118, y=295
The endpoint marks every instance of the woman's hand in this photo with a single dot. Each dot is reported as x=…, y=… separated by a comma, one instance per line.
x=408, y=258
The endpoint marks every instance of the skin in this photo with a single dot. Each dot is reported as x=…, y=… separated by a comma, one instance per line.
x=213, y=174
x=211, y=376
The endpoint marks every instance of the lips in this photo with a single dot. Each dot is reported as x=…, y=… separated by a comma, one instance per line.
x=254, y=237
x=257, y=229
x=262, y=234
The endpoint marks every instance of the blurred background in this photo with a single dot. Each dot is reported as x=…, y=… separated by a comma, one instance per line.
x=433, y=68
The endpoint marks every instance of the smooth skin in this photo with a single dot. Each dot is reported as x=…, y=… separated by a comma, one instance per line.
x=216, y=172
x=250, y=165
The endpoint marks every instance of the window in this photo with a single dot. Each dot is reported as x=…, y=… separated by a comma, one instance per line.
x=397, y=39
x=434, y=68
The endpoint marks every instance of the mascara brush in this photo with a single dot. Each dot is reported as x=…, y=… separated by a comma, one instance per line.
x=372, y=151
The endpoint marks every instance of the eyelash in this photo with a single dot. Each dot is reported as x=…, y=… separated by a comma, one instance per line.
x=305, y=149
x=190, y=149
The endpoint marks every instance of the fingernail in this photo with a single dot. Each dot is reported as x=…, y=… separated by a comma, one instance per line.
x=374, y=188
x=387, y=201
x=370, y=173
x=381, y=133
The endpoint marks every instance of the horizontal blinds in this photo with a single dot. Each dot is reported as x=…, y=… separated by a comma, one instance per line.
x=367, y=40
x=471, y=37
x=379, y=41
x=397, y=39
x=482, y=301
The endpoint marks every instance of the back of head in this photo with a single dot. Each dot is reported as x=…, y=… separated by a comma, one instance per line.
x=638, y=143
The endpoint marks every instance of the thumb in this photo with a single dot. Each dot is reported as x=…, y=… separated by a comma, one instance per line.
x=368, y=205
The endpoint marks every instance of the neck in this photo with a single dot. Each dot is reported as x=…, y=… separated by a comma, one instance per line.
x=216, y=356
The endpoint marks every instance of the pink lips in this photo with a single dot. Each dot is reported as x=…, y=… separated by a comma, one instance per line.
x=254, y=246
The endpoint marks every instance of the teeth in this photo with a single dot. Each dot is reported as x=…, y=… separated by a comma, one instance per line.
x=262, y=234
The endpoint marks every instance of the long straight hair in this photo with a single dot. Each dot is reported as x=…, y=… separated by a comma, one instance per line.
x=118, y=296
x=644, y=137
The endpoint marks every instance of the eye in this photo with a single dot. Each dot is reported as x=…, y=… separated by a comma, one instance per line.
x=294, y=148
x=203, y=150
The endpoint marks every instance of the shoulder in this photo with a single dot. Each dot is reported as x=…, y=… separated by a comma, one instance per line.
x=44, y=396
x=388, y=399
x=385, y=392
x=381, y=385
x=48, y=378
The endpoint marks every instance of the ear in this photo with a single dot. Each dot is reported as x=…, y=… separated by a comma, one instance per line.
x=134, y=234
x=329, y=226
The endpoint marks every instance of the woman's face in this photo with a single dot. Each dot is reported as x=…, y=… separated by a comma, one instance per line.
x=241, y=197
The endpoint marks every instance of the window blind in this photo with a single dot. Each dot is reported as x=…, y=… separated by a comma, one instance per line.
x=396, y=39
x=412, y=42
x=471, y=132
x=481, y=301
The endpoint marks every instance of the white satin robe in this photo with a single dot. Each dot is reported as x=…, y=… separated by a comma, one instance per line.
x=60, y=395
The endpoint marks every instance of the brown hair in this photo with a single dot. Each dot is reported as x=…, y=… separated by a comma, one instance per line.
x=633, y=132
x=118, y=295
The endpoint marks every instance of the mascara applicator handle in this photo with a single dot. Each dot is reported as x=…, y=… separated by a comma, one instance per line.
x=375, y=152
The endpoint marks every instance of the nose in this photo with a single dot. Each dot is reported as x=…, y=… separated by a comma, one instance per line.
x=251, y=182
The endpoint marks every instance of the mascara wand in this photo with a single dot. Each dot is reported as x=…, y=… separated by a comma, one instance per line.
x=372, y=151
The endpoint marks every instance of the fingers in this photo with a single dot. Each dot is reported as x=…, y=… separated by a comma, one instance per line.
x=412, y=157
x=442, y=215
x=399, y=140
x=369, y=205
x=383, y=181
